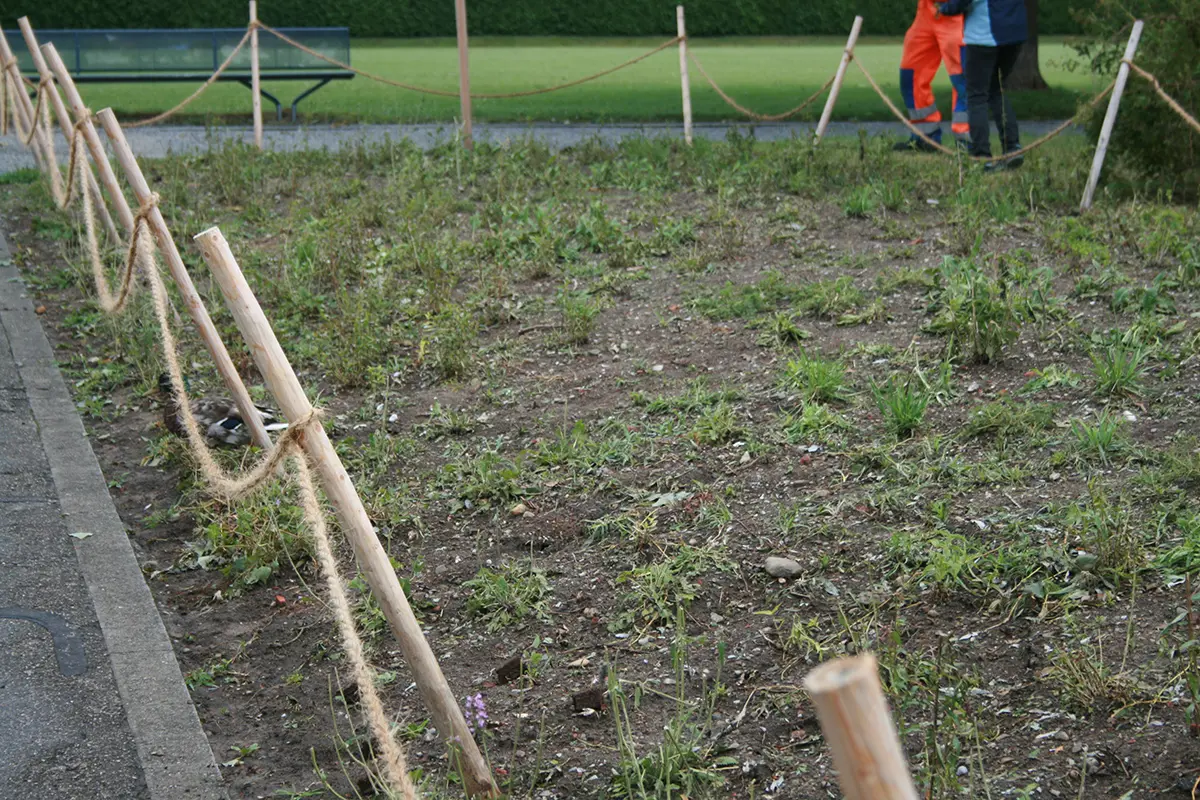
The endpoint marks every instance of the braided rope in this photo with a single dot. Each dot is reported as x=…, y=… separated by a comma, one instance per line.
x=444, y=93
x=754, y=115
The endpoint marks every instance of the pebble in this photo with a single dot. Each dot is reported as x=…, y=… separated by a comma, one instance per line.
x=778, y=567
x=963, y=770
x=518, y=510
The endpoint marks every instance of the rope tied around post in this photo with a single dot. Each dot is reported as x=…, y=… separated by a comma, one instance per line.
x=754, y=115
x=1162, y=93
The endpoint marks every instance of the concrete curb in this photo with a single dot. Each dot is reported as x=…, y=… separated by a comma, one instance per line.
x=175, y=755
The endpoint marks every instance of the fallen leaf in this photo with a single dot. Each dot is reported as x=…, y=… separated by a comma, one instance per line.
x=81, y=535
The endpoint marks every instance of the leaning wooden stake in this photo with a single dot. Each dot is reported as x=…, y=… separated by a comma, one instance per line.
x=94, y=145
x=855, y=720
x=847, y=54
x=681, y=28
x=183, y=281
x=43, y=148
x=255, y=84
x=285, y=387
x=464, y=71
x=1110, y=117
x=67, y=126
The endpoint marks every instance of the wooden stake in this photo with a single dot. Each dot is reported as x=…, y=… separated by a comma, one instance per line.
x=183, y=281
x=42, y=147
x=847, y=54
x=94, y=145
x=372, y=558
x=67, y=125
x=855, y=720
x=1110, y=117
x=255, y=84
x=464, y=71
x=685, y=84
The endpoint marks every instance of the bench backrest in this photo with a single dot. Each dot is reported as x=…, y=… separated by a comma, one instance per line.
x=183, y=50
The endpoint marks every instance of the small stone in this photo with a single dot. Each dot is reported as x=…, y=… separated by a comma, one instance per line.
x=745, y=459
x=715, y=618
x=962, y=770
x=974, y=387
x=518, y=510
x=40, y=310
x=778, y=567
x=657, y=368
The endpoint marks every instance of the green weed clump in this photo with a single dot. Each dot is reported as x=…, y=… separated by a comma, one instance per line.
x=509, y=594
x=973, y=310
x=815, y=379
x=902, y=402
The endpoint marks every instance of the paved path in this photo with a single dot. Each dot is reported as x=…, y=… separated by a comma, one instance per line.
x=92, y=704
x=158, y=141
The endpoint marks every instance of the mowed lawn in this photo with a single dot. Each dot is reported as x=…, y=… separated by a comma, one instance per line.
x=768, y=76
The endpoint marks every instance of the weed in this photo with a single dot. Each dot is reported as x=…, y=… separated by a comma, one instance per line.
x=1051, y=377
x=973, y=310
x=1100, y=440
x=717, y=425
x=814, y=379
x=510, y=594
x=1006, y=420
x=1119, y=369
x=902, y=404
x=657, y=591
x=579, y=312
x=814, y=424
x=452, y=338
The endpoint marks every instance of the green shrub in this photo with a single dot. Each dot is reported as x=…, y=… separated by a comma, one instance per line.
x=1160, y=149
x=510, y=17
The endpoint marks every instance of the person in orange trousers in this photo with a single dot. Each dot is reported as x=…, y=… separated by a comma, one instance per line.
x=931, y=40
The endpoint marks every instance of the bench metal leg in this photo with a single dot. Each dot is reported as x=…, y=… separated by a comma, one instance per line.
x=278, y=104
x=305, y=94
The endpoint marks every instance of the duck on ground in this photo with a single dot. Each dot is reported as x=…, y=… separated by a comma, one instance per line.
x=219, y=418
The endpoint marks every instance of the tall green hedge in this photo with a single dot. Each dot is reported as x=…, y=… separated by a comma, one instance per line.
x=504, y=17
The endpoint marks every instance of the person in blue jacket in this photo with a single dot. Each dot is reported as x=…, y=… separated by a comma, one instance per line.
x=993, y=33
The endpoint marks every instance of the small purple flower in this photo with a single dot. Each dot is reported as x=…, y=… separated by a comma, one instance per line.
x=476, y=711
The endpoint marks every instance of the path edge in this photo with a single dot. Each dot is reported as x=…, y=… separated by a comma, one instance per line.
x=175, y=754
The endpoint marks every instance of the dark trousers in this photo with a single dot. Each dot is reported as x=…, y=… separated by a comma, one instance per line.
x=987, y=70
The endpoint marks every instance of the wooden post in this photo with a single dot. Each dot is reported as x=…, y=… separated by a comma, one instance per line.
x=183, y=281
x=464, y=71
x=847, y=54
x=94, y=145
x=855, y=720
x=255, y=84
x=43, y=148
x=685, y=84
x=372, y=558
x=1110, y=117
x=67, y=125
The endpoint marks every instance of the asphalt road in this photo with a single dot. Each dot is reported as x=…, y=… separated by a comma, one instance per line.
x=161, y=140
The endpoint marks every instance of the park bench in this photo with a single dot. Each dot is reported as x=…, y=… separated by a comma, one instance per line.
x=192, y=55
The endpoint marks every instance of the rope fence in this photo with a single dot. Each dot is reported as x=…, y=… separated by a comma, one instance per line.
x=287, y=459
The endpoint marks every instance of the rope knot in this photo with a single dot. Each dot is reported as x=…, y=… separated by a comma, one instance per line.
x=148, y=205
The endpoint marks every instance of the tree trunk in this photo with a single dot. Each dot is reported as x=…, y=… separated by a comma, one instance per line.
x=1027, y=74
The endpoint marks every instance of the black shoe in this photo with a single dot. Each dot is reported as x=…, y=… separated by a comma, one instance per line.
x=914, y=145
x=1003, y=163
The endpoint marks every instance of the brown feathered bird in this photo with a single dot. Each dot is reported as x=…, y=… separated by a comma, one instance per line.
x=219, y=418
